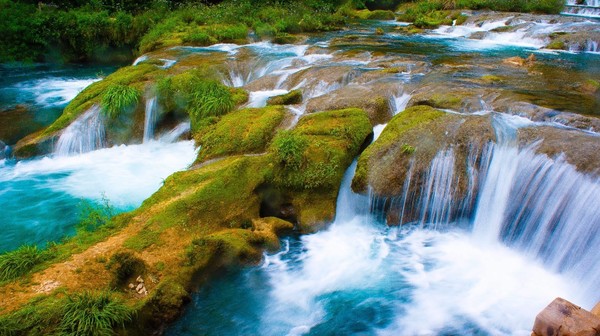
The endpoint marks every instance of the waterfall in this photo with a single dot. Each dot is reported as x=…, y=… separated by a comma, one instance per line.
x=592, y=46
x=399, y=101
x=546, y=209
x=438, y=190
x=151, y=118
x=176, y=132
x=85, y=134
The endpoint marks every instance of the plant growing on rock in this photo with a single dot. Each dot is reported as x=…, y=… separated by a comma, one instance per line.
x=289, y=148
x=95, y=314
x=117, y=98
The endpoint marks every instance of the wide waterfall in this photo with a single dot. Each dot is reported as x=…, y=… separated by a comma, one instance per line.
x=84, y=135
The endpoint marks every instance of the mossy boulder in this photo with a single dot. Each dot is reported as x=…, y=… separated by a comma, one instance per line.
x=290, y=98
x=311, y=161
x=244, y=131
x=410, y=142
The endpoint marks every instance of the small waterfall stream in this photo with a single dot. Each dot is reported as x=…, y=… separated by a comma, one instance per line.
x=150, y=118
x=83, y=135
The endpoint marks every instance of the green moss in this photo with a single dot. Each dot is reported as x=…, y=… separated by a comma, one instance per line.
x=416, y=116
x=290, y=98
x=492, y=79
x=92, y=95
x=557, y=45
x=243, y=131
x=332, y=139
x=285, y=38
x=143, y=240
x=448, y=100
x=213, y=196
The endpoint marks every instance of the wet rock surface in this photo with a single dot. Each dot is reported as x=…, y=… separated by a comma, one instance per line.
x=563, y=318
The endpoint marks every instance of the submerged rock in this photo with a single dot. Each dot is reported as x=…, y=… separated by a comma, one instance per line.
x=563, y=318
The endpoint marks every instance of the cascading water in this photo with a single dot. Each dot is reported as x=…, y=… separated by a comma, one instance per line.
x=83, y=135
x=150, y=119
x=361, y=277
x=399, y=102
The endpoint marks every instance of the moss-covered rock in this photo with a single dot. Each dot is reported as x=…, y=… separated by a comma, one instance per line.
x=290, y=98
x=241, y=132
x=324, y=146
x=410, y=142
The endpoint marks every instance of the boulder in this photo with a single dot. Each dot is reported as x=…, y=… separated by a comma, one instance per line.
x=563, y=318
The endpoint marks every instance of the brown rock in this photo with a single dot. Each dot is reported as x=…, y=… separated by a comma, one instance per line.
x=563, y=318
x=596, y=309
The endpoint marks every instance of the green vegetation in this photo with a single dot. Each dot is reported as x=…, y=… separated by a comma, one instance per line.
x=315, y=154
x=21, y=261
x=289, y=149
x=198, y=93
x=290, y=98
x=95, y=314
x=92, y=216
x=432, y=13
x=243, y=131
x=105, y=30
x=132, y=76
x=411, y=118
x=117, y=98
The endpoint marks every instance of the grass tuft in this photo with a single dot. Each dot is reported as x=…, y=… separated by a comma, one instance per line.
x=95, y=314
x=19, y=262
x=117, y=98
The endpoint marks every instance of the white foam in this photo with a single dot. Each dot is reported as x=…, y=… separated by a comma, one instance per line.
x=127, y=175
x=54, y=91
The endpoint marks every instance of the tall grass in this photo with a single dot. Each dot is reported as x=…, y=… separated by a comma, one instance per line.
x=117, y=98
x=95, y=314
x=210, y=98
x=19, y=262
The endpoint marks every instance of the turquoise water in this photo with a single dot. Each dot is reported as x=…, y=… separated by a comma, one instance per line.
x=41, y=199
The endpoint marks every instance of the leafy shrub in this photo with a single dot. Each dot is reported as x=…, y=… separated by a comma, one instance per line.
x=94, y=314
x=289, y=148
x=117, y=98
x=19, y=262
x=210, y=98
